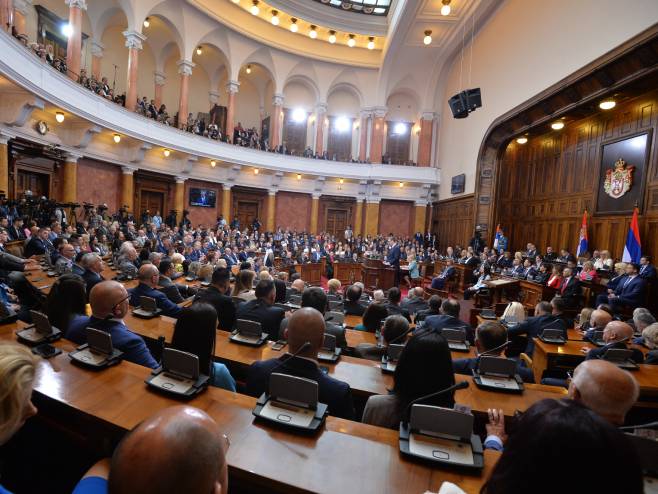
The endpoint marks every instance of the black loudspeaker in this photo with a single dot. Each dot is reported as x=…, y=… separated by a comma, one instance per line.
x=458, y=105
x=473, y=99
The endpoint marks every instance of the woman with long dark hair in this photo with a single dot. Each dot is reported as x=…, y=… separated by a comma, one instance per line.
x=66, y=301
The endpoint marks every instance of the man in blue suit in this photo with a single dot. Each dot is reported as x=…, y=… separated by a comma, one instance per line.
x=647, y=270
x=629, y=292
x=393, y=259
x=447, y=274
x=449, y=319
x=306, y=325
x=93, y=267
x=148, y=277
x=534, y=326
x=109, y=305
x=617, y=334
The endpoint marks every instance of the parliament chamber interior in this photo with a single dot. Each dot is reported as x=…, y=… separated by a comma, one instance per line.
x=330, y=246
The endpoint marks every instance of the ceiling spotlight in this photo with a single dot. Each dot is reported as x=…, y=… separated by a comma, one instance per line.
x=254, y=8
x=293, y=26
x=248, y=69
x=117, y=138
x=256, y=171
x=59, y=116
x=147, y=23
x=522, y=140
x=199, y=50
x=351, y=42
x=299, y=176
x=401, y=184
x=275, y=18
x=371, y=43
x=608, y=104
x=428, y=37
x=67, y=30
x=557, y=125
x=313, y=33
x=213, y=163
x=166, y=152
x=445, y=10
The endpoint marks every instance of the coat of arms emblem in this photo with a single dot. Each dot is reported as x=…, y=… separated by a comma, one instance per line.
x=619, y=180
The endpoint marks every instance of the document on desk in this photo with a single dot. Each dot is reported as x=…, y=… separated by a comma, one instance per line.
x=441, y=449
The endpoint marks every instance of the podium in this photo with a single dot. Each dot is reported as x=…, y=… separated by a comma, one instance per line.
x=311, y=272
x=375, y=274
x=347, y=272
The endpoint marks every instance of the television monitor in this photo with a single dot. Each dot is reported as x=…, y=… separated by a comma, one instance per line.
x=458, y=184
x=204, y=198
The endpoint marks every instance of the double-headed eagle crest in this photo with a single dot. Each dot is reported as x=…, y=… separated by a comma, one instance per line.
x=618, y=180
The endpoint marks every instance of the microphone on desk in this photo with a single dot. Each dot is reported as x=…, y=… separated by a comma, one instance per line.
x=454, y=387
x=640, y=426
x=305, y=346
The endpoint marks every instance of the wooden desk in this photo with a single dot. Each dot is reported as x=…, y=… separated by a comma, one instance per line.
x=375, y=274
x=532, y=293
x=338, y=459
x=347, y=272
x=311, y=272
x=498, y=285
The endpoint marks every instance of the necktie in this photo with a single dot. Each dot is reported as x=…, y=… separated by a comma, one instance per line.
x=627, y=282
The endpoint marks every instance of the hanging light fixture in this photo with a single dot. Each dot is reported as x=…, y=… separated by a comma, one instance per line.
x=557, y=125
x=371, y=43
x=147, y=23
x=166, y=152
x=254, y=8
x=256, y=171
x=313, y=33
x=401, y=184
x=332, y=37
x=293, y=26
x=299, y=176
x=522, y=140
x=445, y=10
x=608, y=104
x=199, y=50
x=248, y=69
x=351, y=42
x=59, y=116
x=117, y=138
x=213, y=163
x=428, y=37
x=275, y=18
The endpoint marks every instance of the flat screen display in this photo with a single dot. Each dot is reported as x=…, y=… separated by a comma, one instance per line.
x=204, y=198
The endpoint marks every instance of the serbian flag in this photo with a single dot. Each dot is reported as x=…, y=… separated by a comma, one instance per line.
x=633, y=247
x=582, y=241
x=499, y=233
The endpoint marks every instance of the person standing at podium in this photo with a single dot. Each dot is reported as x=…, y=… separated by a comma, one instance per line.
x=393, y=258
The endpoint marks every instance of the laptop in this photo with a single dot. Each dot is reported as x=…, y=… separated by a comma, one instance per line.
x=147, y=309
x=456, y=339
x=553, y=336
x=329, y=352
x=40, y=331
x=248, y=333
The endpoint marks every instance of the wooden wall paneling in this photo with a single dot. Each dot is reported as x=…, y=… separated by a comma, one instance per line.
x=453, y=221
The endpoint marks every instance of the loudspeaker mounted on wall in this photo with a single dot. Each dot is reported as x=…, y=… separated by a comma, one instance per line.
x=467, y=101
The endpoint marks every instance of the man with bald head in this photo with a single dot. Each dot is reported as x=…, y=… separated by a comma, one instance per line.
x=296, y=289
x=148, y=277
x=305, y=335
x=109, y=305
x=617, y=334
x=597, y=322
x=604, y=388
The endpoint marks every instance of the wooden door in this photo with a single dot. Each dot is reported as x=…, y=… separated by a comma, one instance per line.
x=38, y=183
x=247, y=212
x=336, y=222
x=153, y=201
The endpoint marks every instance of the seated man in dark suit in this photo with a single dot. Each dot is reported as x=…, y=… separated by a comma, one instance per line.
x=414, y=301
x=394, y=328
x=488, y=336
x=176, y=292
x=449, y=319
x=597, y=322
x=550, y=256
x=352, y=305
x=38, y=244
x=570, y=289
x=109, y=305
x=630, y=291
x=533, y=326
x=529, y=270
x=447, y=274
x=434, y=309
x=93, y=267
x=316, y=298
x=305, y=326
x=296, y=288
x=647, y=270
x=148, y=277
x=617, y=334
x=393, y=305
x=260, y=309
x=505, y=261
x=215, y=295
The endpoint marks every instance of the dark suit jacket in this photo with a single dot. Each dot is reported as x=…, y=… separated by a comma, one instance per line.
x=280, y=286
x=269, y=317
x=570, y=292
x=334, y=393
x=167, y=306
x=170, y=289
x=649, y=272
x=393, y=257
x=637, y=357
x=329, y=328
x=353, y=308
x=131, y=344
x=443, y=321
x=633, y=294
x=15, y=234
x=466, y=366
x=422, y=314
x=414, y=305
x=35, y=246
x=533, y=327
x=397, y=310
x=223, y=304
x=652, y=357
x=91, y=280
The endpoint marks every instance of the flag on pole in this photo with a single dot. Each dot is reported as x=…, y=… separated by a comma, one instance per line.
x=499, y=233
x=583, y=240
x=633, y=247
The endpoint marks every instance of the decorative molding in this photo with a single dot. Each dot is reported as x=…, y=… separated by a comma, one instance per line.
x=139, y=152
x=321, y=107
x=159, y=78
x=227, y=187
x=134, y=39
x=277, y=99
x=428, y=115
x=22, y=6
x=97, y=48
x=181, y=180
x=80, y=135
x=185, y=67
x=365, y=113
x=128, y=170
x=188, y=163
x=318, y=186
x=16, y=107
x=72, y=156
x=213, y=96
x=232, y=87
x=233, y=172
x=276, y=180
x=80, y=4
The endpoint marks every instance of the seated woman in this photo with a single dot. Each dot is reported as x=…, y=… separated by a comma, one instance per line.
x=514, y=310
x=588, y=273
x=604, y=261
x=583, y=319
x=195, y=332
x=555, y=279
x=244, y=282
x=372, y=319
x=333, y=289
x=66, y=301
x=424, y=367
x=414, y=274
x=650, y=338
x=480, y=285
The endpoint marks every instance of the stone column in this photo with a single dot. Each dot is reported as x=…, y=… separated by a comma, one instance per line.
x=179, y=196
x=363, y=135
x=358, y=221
x=159, y=79
x=420, y=217
x=185, y=70
x=70, y=178
x=74, y=43
x=377, y=141
x=231, y=89
x=320, y=115
x=96, y=57
x=6, y=15
x=425, y=139
x=276, y=120
x=21, y=8
x=4, y=164
x=226, y=203
x=134, y=45
x=128, y=188
x=315, y=209
x=372, y=218
x=271, y=211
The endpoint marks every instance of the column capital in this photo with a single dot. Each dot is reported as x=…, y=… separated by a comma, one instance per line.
x=97, y=48
x=159, y=77
x=227, y=187
x=321, y=107
x=134, y=39
x=365, y=113
x=214, y=96
x=128, y=170
x=316, y=195
x=80, y=4
x=421, y=203
x=232, y=87
x=72, y=156
x=272, y=192
x=181, y=180
x=380, y=111
x=22, y=6
x=428, y=115
x=277, y=99
x=185, y=67
x=5, y=136
x=372, y=200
